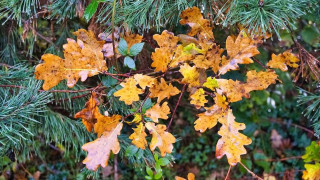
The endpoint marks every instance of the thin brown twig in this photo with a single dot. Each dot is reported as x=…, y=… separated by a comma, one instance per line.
x=228, y=173
x=257, y=61
x=293, y=124
x=176, y=107
x=249, y=171
x=283, y=159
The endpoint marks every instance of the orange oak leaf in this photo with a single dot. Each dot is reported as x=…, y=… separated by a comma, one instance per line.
x=130, y=92
x=132, y=39
x=209, y=118
x=198, y=24
x=231, y=142
x=210, y=59
x=190, y=75
x=161, y=90
x=191, y=176
x=160, y=138
x=158, y=111
x=166, y=40
x=220, y=101
x=198, y=98
x=99, y=149
x=144, y=80
x=83, y=58
x=260, y=80
x=240, y=51
x=282, y=60
x=105, y=123
x=138, y=137
x=234, y=90
x=89, y=113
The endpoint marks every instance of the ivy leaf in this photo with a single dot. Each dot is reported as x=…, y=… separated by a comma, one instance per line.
x=123, y=47
x=160, y=138
x=136, y=49
x=99, y=149
x=128, y=61
x=55, y=69
x=91, y=9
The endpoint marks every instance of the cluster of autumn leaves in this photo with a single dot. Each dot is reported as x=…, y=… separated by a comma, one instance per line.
x=194, y=55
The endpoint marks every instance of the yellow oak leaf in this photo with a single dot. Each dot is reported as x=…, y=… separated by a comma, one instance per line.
x=231, y=142
x=160, y=138
x=234, y=90
x=260, y=80
x=161, y=58
x=209, y=118
x=90, y=112
x=191, y=176
x=130, y=92
x=161, y=90
x=198, y=98
x=132, y=39
x=166, y=39
x=282, y=60
x=198, y=24
x=137, y=118
x=144, y=80
x=138, y=137
x=99, y=149
x=190, y=75
x=210, y=59
x=105, y=123
x=83, y=58
x=211, y=83
x=312, y=172
x=158, y=111
x=220, y=101
x=240, y=51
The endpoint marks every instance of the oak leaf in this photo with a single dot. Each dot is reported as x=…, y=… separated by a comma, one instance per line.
x=130, y=92
x=105, y=123
x=138, y=137
x=234, y=90
x=220, y=101
x=198, y=24
x=210, y=59
x=211, y=83
x=160, y=138
x=158, y=111
x=260, y=80
x=240, y=51
x=132, y=39
x=83, y=58
x=231, y=142
x=161, y=90
x=282, y=60
x=191, y=176
x=99, y=149
x=89, y=113
x=190, y=75
x=198, y=98
x=144, y=80
x=312, y=172
x=209, y=118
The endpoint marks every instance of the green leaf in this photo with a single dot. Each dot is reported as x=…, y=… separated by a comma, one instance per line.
x=136, y=49
x=158, y=175
x=148, y=177
x=156, y=157
x=123, y=47
x=131, y=150
x=149, y=171
x=139, y=154
x=108, y=81
x=147, y=105
x=163, y=161
x=91, y=9
x=157, y=167
x=260, y=160
x=128, y=61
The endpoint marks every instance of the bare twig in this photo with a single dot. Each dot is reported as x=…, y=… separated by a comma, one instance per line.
x=292, y=124
x=249, y=171
x=228, y=173
x=175, y=108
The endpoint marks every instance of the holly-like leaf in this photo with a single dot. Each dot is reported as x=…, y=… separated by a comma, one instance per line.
x=130, y=92
x=312, y=172
x=240, y=51
x=191, y=176
x=282, y=60
x=138, y=137
x=144, y=80
x=231, y=142
x=90, y=112
x=160, y=138
x=190, y=75
x=198, y=24
x=99, y=149
x=83, y=59
x=105, y=123
x=161, y=90
x=198, y=98
x=209, y=118
x=158, y=112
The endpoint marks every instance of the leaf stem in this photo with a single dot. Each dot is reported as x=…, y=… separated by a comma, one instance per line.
x=249, y=171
